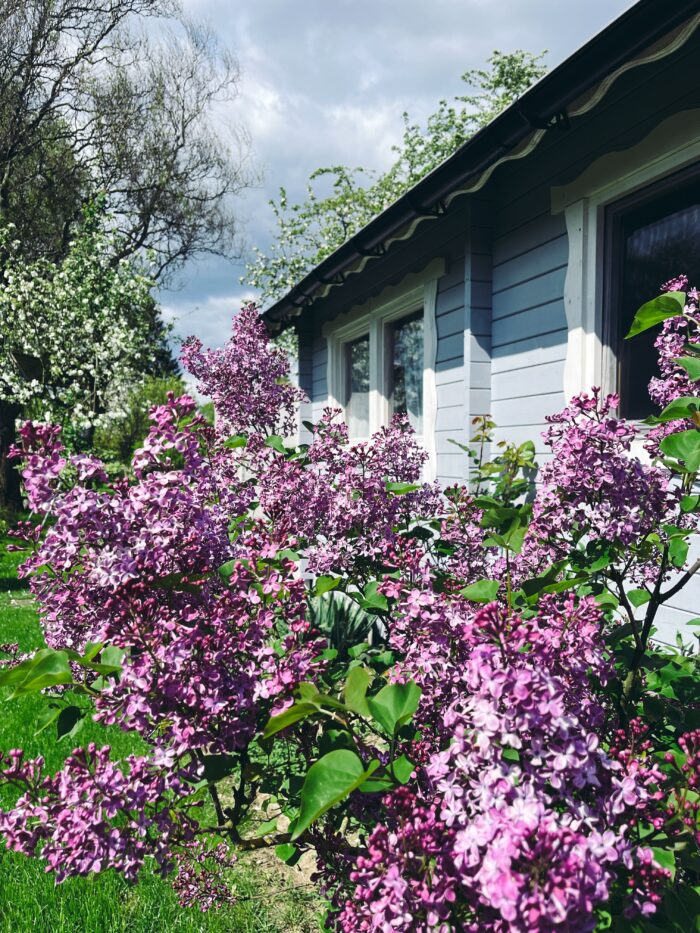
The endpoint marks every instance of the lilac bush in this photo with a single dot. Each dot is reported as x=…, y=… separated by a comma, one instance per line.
x=511, y=750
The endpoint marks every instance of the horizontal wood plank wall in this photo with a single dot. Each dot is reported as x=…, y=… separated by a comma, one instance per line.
x=305, y=380
x=530, y=249
x=319, y=376
x=528, y=330
x=449, y=372
x=478, y=310
x=530, y=255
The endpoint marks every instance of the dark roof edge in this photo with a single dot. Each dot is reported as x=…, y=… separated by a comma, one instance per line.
x=539, y=108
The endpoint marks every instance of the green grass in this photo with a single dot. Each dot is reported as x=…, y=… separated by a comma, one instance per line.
x=271, y=898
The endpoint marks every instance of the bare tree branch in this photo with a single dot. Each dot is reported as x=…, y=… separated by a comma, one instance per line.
x=91, y=104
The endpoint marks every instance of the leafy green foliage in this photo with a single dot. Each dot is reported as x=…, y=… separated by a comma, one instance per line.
x=684, y=446
x=330, y=780
x=394, y=705
x=483, y=591
x=342, y=620
x=655, y=311
x=691, y=364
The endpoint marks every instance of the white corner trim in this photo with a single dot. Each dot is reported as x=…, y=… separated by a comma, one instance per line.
x=429, y=383
x=671, y=145
x=371, y=318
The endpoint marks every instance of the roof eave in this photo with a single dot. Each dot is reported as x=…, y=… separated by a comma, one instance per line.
x=542, y=107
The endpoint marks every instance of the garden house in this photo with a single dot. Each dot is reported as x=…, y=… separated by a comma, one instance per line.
x=505, y=280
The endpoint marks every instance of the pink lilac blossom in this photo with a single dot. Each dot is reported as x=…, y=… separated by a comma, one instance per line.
x=595, y=488
x=339, y=502
x=679, y=336
x=393, y=889
x=518, y=818
x=528, y=816
x=133, y=562
x=685, y=803
x=247, y=380
x=93, y=815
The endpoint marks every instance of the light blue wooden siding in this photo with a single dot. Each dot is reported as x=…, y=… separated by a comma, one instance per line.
x=530, y=249
x=530, y=255
x=449, y=373
x=305, y=382
x=319, y=376
x=529, y=332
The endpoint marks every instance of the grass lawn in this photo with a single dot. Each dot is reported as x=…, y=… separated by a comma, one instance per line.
x=271, y=897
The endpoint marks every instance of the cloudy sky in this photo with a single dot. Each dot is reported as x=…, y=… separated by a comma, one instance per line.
x=326, y=81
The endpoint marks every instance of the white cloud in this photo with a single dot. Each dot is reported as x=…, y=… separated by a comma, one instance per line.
x=209, y=319
x=326, y=83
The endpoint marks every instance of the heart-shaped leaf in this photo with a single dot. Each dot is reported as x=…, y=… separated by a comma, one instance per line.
x=691, y=364
x=238, y=440
x=328, y=781
x=276, y=443
x=394, y=705
x=670, y=304
x=678, y=408
x=684, y=446
x=47, y=668
x=294, y=714
x=326, y=584
x=356, y=691
x=483, y=591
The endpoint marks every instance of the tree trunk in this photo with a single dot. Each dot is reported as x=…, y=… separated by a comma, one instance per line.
x=10, y=497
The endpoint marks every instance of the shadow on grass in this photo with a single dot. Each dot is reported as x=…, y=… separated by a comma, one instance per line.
x=13, y=584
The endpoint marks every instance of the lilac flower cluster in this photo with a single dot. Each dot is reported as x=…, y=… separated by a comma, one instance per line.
x=206, y=658
x=678, y=336
x=395, y=890
x=526, y=816
x=595, y=488
x=528, y=788
x=93, y=814
x=247, y=380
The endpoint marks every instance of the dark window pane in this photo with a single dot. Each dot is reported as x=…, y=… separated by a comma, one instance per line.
x=406, y=369
x=659, y=241
x=357, y=387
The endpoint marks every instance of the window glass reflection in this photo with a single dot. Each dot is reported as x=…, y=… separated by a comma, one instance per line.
x=406, y=369
x=660, y=241
x=357, y=387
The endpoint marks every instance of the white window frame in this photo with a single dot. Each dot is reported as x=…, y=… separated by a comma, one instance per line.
x=671, y=146
x=416, y=292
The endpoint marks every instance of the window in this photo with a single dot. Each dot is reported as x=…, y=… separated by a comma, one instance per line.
x=397, y=346
x=404, y=364
x=381, y=360
x=651, y=236
x=357, y=386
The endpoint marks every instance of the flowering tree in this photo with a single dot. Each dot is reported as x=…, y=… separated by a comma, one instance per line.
x=74, y=335
x=510, y=751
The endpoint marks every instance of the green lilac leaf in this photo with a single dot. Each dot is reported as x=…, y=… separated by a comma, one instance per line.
x=289, y=717
x=483, y=591
x=684, y=446
x=691, y=364
x=653, y=312
x=356, y=685
x=394, y=705
x=330, y=780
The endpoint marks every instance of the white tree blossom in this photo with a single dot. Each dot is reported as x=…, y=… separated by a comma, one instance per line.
x=74, y=335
